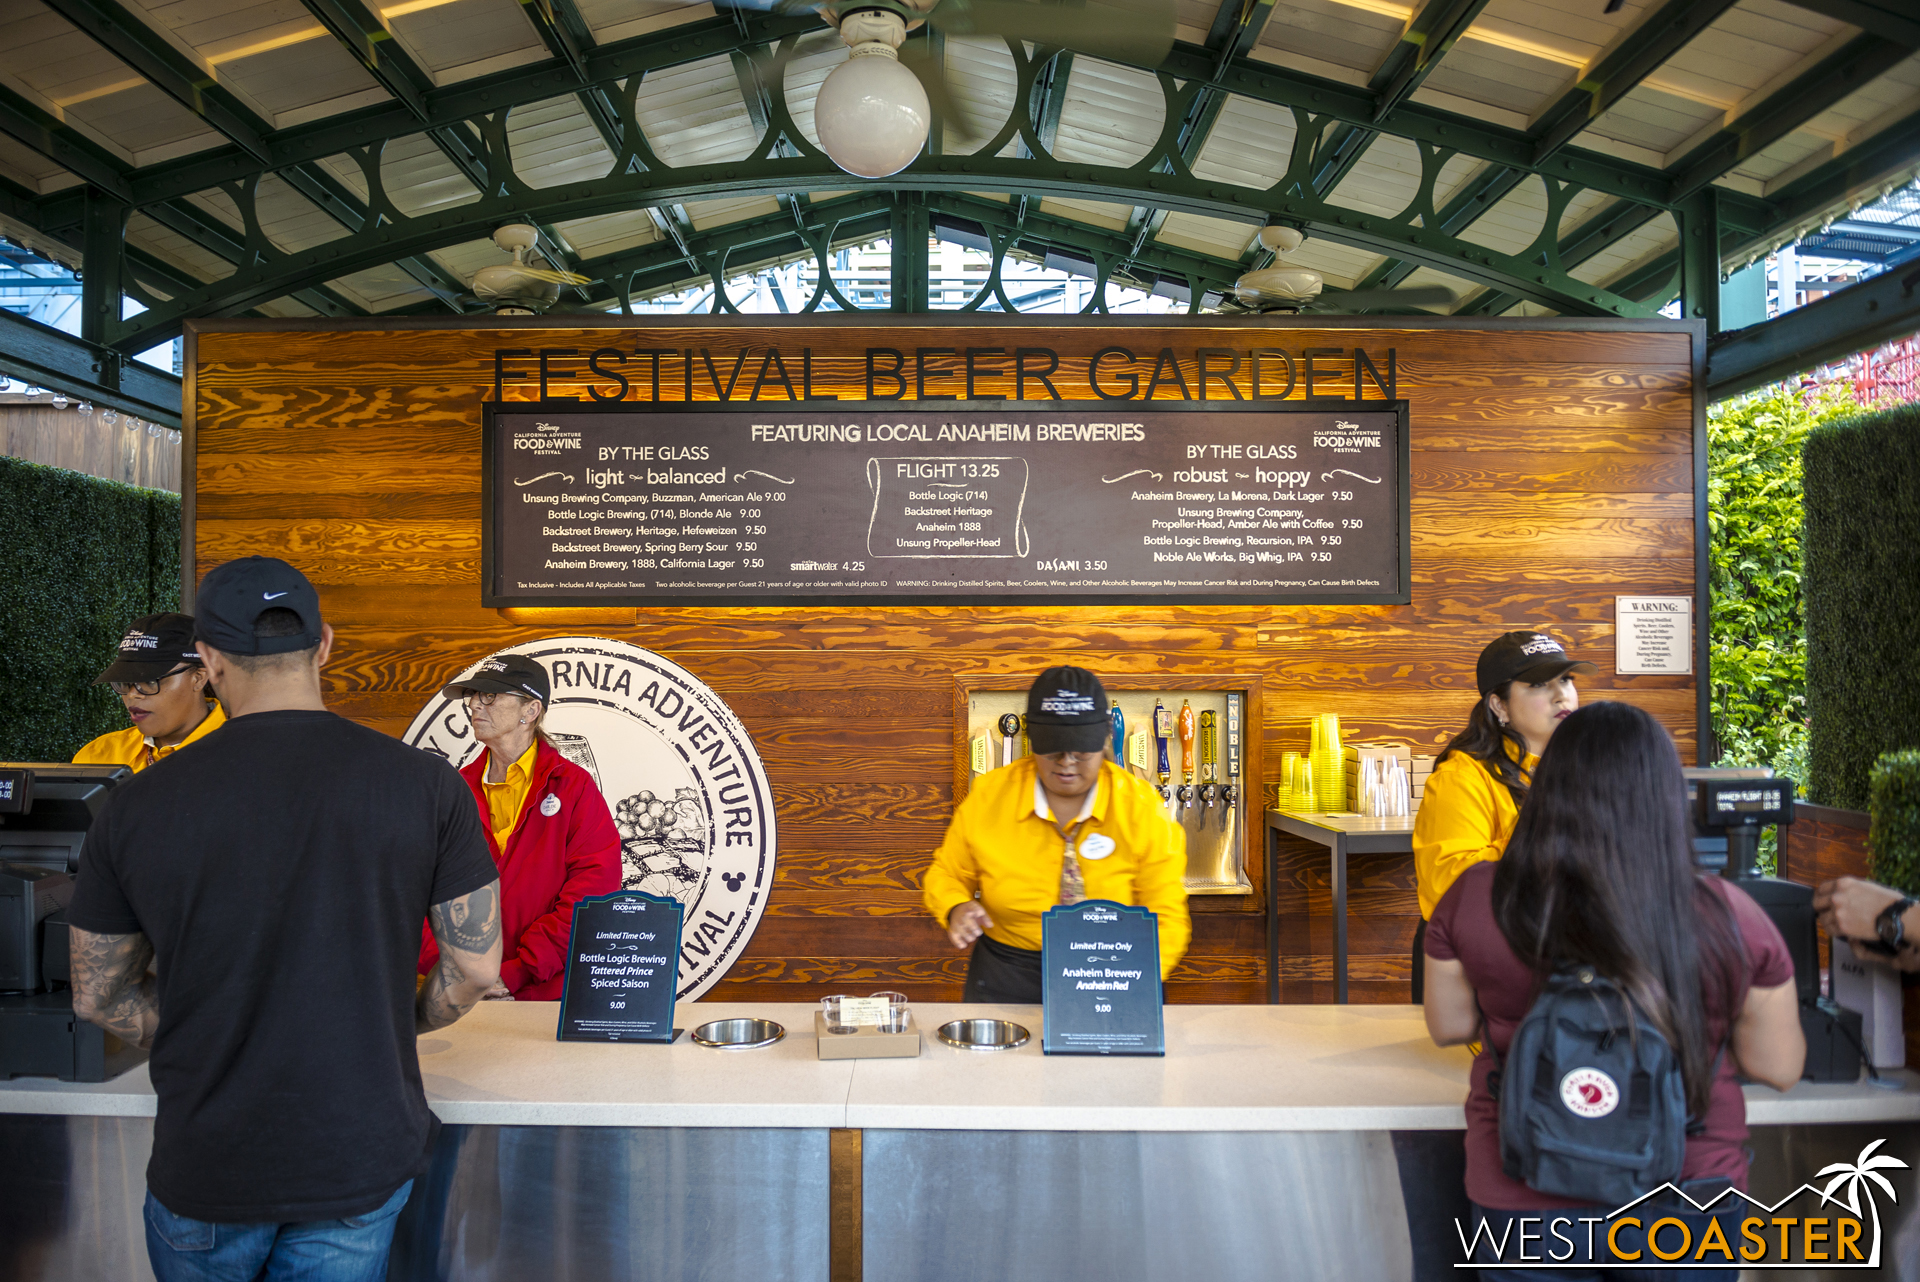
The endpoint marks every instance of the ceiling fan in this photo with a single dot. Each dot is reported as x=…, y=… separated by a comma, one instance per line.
x=1279, y=288
x=517, y=288
x=874, y=110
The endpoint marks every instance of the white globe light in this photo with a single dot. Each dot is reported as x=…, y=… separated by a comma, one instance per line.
x=872, y=113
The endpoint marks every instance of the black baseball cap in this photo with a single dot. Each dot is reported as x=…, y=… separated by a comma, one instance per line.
x=155, y=645
x=1067, y=712
x=1524, y=656
x=504, y=674
x=234, y=596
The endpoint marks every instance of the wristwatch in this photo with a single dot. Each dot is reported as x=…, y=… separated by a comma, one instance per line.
x=1891, y=924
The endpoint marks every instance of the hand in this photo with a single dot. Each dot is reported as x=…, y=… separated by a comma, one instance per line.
x=498, y=993
x=966, y=923
x=1850, y=907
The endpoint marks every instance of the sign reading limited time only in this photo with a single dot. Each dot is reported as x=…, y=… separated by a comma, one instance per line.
x=967, y=502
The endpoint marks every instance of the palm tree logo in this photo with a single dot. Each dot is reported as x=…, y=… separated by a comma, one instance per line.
x=1855, y=1175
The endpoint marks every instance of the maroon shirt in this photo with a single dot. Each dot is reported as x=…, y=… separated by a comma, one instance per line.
x=1463, y=929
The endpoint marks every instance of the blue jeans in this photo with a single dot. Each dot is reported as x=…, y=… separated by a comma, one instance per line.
x=1571, y=1246
x=349, y=1250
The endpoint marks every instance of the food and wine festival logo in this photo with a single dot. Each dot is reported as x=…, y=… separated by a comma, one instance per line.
x=1815, y=1227
x=679, y=772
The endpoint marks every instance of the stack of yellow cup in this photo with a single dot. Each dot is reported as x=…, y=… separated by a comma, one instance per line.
x=1329, y=764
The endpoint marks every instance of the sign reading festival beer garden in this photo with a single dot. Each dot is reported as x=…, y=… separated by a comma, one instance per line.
x=679, y=772
x=983, y=502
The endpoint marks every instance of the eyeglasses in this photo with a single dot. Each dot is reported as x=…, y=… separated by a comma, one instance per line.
x=485, y=698
x=1070, y=758
x=124, y=688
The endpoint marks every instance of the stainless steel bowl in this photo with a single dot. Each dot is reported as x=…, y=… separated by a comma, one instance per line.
x=739, y=1034
x=984, y=1034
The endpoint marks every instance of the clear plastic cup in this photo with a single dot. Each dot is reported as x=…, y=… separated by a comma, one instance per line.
x=830, y=1010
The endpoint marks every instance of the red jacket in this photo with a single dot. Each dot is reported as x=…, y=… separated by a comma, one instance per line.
x=550, y=862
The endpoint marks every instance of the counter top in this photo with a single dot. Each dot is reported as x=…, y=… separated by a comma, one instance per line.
x=1227, y=1068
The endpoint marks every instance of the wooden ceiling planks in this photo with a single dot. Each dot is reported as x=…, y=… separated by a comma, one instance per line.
x=1553, y=469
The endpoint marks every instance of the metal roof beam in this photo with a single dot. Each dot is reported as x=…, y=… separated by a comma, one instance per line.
x=1430, y=33
x=460, y=102
x=1480, y=194
x=1853, y=65
x=1846, y=321
x=1583, y=242
x=362, y=34
x=217, y=237
x=1261, y=81
x=1889, y=19
x=338, y=202
x=1660, y=35
x=69, y=148
x=40, y=354
x=145, y=51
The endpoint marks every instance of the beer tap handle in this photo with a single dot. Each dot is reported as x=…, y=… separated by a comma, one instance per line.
x=1119, y=720
x=1009, y=728
x=1187, y=755
x=1209, y=746
x=1162, y=731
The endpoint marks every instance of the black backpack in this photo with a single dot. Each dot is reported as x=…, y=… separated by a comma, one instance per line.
x=1592, y=1102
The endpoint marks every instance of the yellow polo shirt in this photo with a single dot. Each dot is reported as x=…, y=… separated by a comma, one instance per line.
x=507, y=799
x=1466, y=817
x=1002, y=845
x=131, y=748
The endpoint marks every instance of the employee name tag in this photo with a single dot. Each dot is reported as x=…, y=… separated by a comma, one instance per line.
x=1098, y=846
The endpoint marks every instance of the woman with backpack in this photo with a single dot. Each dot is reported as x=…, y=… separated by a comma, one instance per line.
x=1596, y=904
x=1475, y=791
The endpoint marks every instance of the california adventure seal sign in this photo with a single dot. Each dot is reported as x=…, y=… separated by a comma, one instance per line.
x=679, y=772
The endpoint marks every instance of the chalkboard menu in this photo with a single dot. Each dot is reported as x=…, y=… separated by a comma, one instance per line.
x=622, y=956
x=1100, y=977
x=952, y=503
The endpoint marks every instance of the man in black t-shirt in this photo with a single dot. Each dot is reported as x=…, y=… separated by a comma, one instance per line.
x=279, y=872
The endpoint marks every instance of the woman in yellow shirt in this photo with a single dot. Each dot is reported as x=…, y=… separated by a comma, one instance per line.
x=1474, y=794
x=161, y=681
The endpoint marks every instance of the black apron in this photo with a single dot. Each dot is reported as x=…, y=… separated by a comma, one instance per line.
x=1000, y=973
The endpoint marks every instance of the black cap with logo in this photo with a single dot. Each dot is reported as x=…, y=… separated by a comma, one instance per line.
x=504, y=674
x=1067, y=712
x=234, y=596
x=154, y=646
x=1524, y=656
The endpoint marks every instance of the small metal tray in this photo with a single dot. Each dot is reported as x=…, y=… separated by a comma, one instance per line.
x=983, y=1034
x=739, y=1034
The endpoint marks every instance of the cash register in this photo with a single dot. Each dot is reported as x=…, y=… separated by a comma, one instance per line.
x=1735, y=810
x=46, y=809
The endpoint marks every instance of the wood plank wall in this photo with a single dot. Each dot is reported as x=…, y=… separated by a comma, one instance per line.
x=1552, y=471
x=87, y=443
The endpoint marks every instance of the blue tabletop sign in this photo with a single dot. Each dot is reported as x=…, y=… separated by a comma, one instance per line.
x=622, y=968
x=1100, y=964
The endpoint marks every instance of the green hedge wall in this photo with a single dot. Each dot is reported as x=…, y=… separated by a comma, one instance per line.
x=1757, y=633
x=84, y=558
x=1863, y=598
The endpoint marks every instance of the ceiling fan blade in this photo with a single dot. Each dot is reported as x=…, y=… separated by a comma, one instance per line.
x=558, y=277
x=1423, y=296
x=915, y=57
x=1131, y=31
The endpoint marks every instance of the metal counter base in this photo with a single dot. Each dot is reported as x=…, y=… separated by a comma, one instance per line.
x=586, y=1204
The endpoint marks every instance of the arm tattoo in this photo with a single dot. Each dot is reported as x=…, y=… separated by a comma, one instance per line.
x=470, y=923
x=111, y=987
x=467, y=926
